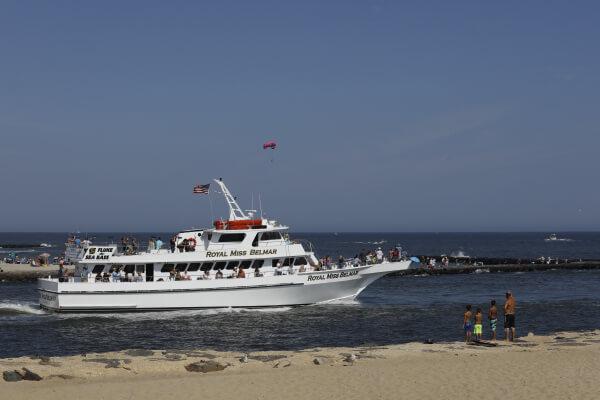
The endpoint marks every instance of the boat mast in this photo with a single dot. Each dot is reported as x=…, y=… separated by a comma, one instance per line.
x=235, y=212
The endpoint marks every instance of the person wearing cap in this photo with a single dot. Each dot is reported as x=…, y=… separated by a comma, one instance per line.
x=509, y=317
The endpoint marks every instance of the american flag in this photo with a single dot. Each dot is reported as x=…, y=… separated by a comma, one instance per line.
x=201, y=189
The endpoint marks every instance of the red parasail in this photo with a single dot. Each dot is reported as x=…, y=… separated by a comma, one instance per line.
x=270, y=145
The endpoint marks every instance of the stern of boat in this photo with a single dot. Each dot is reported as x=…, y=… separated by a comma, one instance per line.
x=48, y=291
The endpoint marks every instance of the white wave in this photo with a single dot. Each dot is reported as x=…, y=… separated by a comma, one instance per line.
x=175, y=314
x=459, y=253
x=20, y=308
x=18, y=251
x=348, y=301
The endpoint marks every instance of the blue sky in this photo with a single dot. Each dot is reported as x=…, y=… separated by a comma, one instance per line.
x=390, y=116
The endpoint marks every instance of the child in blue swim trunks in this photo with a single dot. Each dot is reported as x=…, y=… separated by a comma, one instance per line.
x=468, y=324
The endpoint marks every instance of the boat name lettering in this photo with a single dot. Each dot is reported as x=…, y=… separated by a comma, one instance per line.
x=99, y=253
x=240, y=253
x=332, y=275
x=48, y=297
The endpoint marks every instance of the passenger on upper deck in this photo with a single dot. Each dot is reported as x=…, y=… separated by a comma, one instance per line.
x=159, y=243
x=172, y=243
x=191, y=244
x=182, y=245
x=341, y=262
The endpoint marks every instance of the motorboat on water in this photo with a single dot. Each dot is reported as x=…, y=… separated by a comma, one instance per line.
x=554, y=238
x=243, y=261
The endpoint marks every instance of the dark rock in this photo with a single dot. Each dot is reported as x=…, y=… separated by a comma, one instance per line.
x=173, y=357
x=318, y=361
x=28, y=375
x=428, y=341
x=12, y=376
x=205, y=366
x=139, y=353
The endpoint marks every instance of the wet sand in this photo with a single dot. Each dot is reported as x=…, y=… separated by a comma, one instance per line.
x=560, y=366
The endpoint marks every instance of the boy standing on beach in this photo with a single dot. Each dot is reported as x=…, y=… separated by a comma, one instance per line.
x=493, y=317
x=509, y=317
x=478, y=324
x=467, y=324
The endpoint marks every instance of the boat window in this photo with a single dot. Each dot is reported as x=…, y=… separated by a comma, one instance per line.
x=180, y=267
x=231, y=237
x=98, y=268
x=258, y=263
x=220, y=265
x=140, y=268
x=167, y=268
x=270, y=236
x=206, y=266
x=288, y=261
x=232, y=264
x=193, y=267
x=246, y=264
x=300, y=261
x=255, y=241
x=129, y=268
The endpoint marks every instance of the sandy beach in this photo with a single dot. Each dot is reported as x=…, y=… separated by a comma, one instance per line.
x=561, y=366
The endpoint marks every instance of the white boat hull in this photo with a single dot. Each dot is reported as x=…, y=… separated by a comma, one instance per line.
x=271, y=291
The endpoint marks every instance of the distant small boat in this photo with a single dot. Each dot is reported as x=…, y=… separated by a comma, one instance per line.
x=554, y=238
x=45, y=245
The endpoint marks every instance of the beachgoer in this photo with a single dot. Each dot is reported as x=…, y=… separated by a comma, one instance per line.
x=478, y=324
x=493, y=317
x=467, y=324
x=509, y=317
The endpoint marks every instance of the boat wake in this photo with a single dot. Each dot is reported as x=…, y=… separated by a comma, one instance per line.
x=13, y=308
x=176, y=314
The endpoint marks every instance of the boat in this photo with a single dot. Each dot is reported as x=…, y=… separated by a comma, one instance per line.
x=244, y=261
x=554, y=238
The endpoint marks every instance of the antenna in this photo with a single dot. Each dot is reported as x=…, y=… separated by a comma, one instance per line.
x=235, y=212
x=260, y=206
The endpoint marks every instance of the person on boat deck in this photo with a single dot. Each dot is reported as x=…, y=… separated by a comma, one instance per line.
x=151, y=244
x=219, y=275
x=257, y=272
x=178, y=276
x=182, y=245
x=172, y=274
x=290, y=269
x=122, y=275
x=159, y=243
x=115, y=275
x=241, y=273
x=172, y=243
x=379, y=254
x=206, y=275
x=341, y=262
x=99, y=277
x=105, y=277
x=278, y=269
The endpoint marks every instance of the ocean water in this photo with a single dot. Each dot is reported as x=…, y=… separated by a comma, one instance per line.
x=392, y=310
